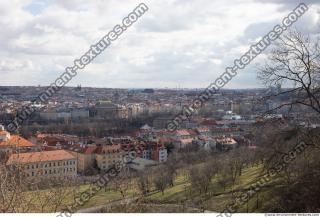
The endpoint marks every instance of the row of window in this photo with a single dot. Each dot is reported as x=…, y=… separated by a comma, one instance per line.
x=46, y=172
x=64, y=163
x=109, y=161
x=111, y=156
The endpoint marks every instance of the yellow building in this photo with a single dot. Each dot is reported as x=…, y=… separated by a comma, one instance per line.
x=45, y=164
x=106, y=156
x=102, y=157
x=86, y=158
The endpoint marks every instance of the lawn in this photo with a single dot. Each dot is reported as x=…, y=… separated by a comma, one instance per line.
x=181, y=193
x=216, y=200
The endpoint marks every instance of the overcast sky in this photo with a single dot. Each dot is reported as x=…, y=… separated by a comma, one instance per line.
x=177, y=42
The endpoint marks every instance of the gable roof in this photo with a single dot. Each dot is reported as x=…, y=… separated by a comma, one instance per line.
x=33, y=157
x=17, y=141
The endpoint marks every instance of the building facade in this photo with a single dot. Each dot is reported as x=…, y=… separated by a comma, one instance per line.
x=45, y=165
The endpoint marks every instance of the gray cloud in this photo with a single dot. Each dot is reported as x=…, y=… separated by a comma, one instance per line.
x=186, y=42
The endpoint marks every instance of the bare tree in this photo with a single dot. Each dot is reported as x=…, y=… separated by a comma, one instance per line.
x=123, y=181
x=10, y=189
x=144, y=182
x=172, y=165
x=224, y=179
x=201, y=176
x=295, y=63
x=161, y=179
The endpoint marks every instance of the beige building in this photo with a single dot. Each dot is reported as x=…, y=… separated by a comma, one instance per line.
x=107, y=109
x=102, y=157
x=45, y=164
x=106, y=156
x=86, y=158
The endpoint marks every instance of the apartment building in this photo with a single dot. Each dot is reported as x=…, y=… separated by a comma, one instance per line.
x=108, y=155
x=225, y=143
x=152, y=150
x=85, y=157
x=45, y=164
x=107, y=109
x=160, y=154
x=100, y=156
x=57, y=139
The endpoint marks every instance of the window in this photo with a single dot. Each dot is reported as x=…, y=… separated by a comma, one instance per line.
x=32, y=173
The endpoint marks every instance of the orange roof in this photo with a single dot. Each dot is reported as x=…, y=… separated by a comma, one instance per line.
x=33, y=157
x=17, y=141
x=3, y=133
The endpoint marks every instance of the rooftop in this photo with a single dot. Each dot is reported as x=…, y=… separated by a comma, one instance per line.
x=33, y=157
x=17, y=141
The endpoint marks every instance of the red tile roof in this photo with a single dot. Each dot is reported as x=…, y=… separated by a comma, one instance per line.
x=33, y=157
x=16, y=141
